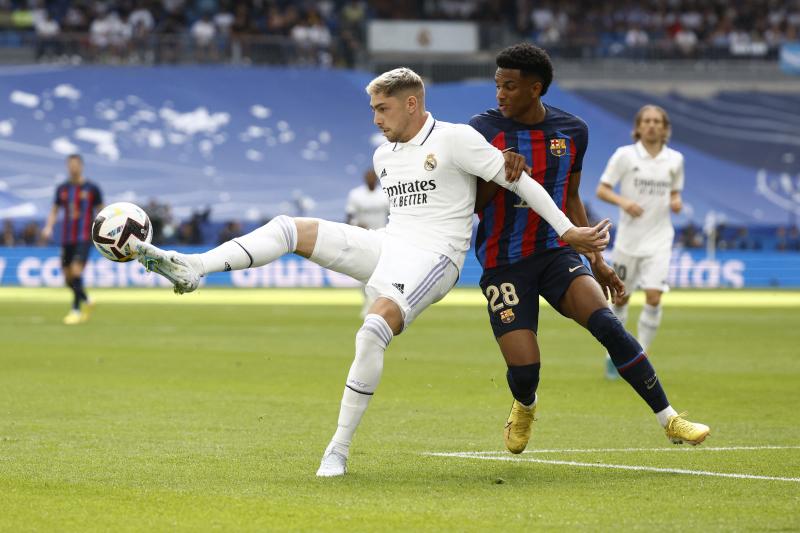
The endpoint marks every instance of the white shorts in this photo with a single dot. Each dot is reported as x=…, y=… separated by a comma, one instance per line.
x=646, y=272
x=409, y=276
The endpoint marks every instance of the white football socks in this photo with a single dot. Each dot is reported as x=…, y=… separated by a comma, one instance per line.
x=365, y=374
x=664, y=415
x=649, y=320
x=259, y=247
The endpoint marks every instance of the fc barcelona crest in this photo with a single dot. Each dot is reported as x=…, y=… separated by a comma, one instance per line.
x=430, y=162
x=558, y=147
x=507, y=316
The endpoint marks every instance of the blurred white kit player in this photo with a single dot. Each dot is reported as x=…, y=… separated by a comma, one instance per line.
x=650, y=179
x=427, y=169
x=367, y=207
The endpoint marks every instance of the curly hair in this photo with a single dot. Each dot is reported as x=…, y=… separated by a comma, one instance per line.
x=530, y=60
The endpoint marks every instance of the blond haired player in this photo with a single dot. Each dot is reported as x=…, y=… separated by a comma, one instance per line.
x=428, y=170
x=650, y=179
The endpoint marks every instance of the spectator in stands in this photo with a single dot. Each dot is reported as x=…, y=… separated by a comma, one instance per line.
x=30, y=234
x=691, y=236
x=7, y=238
x=313, y=40
x=794, y=239
x=230, y=230
x=48, y=31
x=242, y=29
x=161, y=220
x=169, y=31
x=142, y=24
x=204, y=34
x=787, y=240
x=223, y=20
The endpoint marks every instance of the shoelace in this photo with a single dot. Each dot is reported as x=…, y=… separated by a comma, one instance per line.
x=520, y=412
x=678, y=424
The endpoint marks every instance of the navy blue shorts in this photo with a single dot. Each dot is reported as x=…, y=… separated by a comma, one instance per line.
x=75, y=253
x=512, y=291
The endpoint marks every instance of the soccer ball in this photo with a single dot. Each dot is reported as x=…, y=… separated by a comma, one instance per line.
x=117, y=229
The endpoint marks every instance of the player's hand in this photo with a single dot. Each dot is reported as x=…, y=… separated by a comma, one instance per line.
x=515, y=166
x=632, y=208
x=676, y=204
x=586, y=240
x=609, y=281
x=47, y=232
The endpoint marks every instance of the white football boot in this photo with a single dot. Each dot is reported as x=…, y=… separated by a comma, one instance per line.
x=334, y=462
x=181, y=270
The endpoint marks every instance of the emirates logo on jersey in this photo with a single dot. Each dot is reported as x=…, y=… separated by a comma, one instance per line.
x=430, y=162
x=558, y=147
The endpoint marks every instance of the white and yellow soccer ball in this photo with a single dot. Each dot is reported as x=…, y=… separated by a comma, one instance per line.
x=118, y=228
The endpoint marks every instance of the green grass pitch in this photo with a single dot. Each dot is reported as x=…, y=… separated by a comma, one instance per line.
x=211, y=411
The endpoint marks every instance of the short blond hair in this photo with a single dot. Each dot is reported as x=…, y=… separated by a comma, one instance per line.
x=664, y=118
x=395, y=81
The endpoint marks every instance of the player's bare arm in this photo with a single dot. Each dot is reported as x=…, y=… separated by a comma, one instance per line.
x=47, y=230
x=515, y=166
x=583, y=240
x=606, y=193
x=675, y=201
x=605, y=275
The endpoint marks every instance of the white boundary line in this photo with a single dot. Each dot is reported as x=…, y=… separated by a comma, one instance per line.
x=493, y=456
x=691, y=449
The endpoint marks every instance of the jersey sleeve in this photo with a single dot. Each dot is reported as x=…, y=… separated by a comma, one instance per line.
x=57, y=198
x=677, y=174
x=98, y=196
x=473, y=154
x=581, y=140
x=615, y=168
x=350, y=208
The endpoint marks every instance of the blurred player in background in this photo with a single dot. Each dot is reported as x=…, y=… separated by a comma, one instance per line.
x=367, y=207
x=428, y=170
x=650, y=179
x=523, y=257
x=80, y=201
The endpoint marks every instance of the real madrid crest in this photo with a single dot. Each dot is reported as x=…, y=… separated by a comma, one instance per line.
x=558, y=147
x=430, y=162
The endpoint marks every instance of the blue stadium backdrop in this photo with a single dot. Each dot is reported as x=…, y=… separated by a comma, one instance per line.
x=255, y=142
x=41, y=267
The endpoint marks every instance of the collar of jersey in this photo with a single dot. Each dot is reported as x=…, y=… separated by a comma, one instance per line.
x=421, y=136
x=643, y=153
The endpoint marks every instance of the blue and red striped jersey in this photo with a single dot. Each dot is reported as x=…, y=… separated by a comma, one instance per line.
x=554, y=149
x=78, y=203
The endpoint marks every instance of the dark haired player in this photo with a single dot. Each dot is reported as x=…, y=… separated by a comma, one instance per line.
x=523, y=258
x=81, y=200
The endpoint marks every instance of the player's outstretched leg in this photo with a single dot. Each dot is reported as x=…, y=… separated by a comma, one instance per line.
x=364, y=376
x=259, y=247
x=634, y=366
x=523, y=382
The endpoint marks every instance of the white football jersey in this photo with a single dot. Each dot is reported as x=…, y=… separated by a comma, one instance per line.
x=648, y=181
x=368, y=208
x=430, y=182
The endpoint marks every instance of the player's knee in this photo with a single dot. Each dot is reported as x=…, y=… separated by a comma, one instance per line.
x=374, y=332
x=307, y=231
x=523, y=382
x=653, y=298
